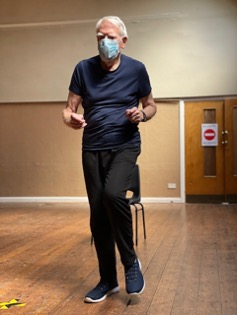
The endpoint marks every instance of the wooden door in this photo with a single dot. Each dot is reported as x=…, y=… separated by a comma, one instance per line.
x=211, y=171
x=230, y=144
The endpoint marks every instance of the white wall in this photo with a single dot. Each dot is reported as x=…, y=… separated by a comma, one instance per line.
x=188, y=46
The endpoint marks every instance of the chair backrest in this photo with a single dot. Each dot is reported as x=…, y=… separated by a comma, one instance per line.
x=134, y=186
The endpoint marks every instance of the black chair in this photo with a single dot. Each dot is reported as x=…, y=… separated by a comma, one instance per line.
x=135, y=200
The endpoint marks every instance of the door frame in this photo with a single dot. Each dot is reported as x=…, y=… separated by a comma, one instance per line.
x=182, y=150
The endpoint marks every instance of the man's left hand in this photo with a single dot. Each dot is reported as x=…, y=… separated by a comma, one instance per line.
x=134, y=115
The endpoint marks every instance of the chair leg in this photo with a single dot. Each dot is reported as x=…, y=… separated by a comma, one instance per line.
x=136, y=221
x=136, y=213
x=143, y=219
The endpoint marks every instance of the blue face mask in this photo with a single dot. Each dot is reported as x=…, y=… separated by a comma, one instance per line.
x=108, y=49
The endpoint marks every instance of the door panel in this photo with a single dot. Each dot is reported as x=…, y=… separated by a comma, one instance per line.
x=204, y=165
x=230, y=145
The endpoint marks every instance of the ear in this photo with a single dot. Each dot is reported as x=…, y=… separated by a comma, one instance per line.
x=124, y=41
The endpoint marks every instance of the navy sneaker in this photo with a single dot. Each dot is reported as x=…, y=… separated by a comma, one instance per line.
x=100, y=292
x=135, y=283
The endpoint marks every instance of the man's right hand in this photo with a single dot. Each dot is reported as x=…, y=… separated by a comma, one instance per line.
x=77, y=121
x=73, y=120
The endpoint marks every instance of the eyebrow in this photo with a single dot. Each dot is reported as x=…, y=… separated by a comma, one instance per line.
x=102, y=34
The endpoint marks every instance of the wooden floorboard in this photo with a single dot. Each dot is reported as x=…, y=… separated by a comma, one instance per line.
x=189, y=261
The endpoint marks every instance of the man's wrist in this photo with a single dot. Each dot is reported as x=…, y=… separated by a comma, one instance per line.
x=144, y=116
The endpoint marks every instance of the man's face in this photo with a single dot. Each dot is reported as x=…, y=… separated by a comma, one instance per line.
x=111, y=31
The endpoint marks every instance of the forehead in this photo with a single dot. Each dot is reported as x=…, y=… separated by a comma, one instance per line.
x=107, y=27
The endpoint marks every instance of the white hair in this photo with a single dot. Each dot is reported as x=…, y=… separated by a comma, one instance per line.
x=116, y=21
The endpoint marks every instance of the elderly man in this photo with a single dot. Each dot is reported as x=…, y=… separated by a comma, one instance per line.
x=109, y=87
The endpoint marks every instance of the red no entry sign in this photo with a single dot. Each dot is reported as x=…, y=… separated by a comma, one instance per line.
x=209, y=134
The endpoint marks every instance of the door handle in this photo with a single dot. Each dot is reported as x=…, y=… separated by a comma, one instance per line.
x=225, y=137
x=225, y=132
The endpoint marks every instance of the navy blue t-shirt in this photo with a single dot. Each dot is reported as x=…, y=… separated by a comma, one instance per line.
x=106, y=96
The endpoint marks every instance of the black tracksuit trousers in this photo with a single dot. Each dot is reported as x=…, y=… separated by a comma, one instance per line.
x=107, y=174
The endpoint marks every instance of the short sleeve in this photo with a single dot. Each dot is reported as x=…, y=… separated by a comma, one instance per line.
x=144, y=86
x=76, y=84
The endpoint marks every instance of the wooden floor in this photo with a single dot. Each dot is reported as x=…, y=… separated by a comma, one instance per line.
x=189, y=261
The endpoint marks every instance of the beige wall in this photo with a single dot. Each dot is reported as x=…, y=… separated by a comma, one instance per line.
x=160, y=158
x=40, y=156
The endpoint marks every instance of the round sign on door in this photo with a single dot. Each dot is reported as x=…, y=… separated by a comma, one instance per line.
x=209, y=135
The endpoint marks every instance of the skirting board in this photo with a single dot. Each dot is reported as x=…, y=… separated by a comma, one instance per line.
x=79, y=199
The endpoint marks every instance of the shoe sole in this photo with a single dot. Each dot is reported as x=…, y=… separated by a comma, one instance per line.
x=140, y=292
x=90, y=300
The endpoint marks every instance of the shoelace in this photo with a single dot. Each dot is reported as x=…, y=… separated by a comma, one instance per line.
x=102, y=286
x=132, y=272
